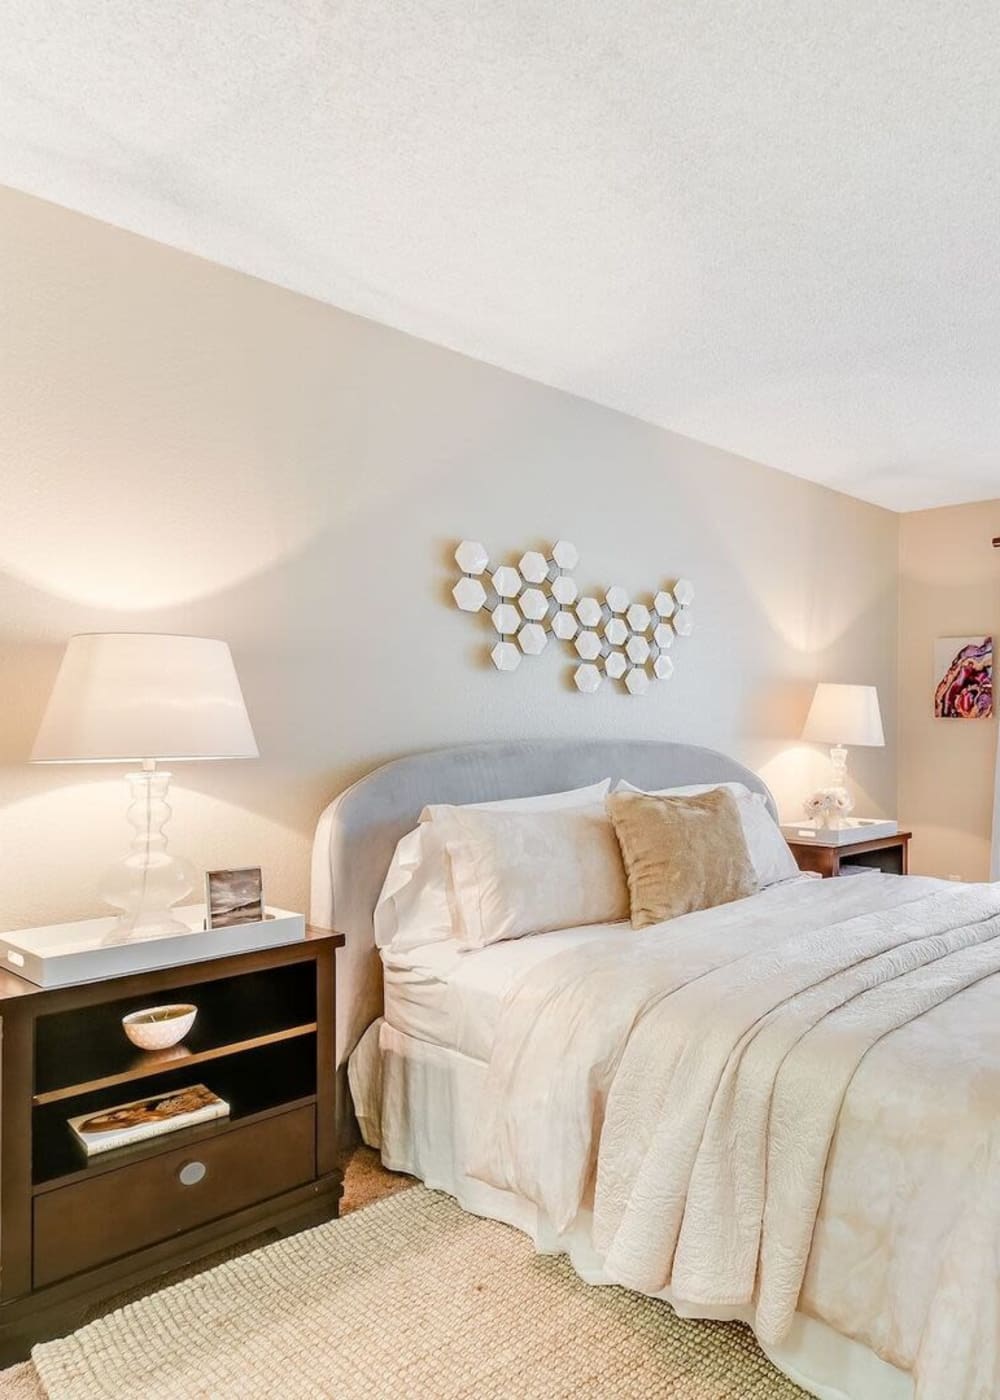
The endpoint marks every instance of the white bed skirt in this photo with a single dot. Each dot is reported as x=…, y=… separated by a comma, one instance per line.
x=417, y=1103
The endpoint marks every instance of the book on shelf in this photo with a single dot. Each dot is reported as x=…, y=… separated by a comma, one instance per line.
x=146, y=1118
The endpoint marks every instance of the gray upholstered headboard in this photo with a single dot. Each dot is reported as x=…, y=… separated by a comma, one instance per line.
x=358, y=832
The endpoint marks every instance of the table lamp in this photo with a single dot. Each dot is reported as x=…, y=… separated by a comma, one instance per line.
x=844, y=715
x=124, y=697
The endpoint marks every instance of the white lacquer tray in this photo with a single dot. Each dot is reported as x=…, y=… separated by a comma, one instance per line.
x=853, y=830
x=88, y=950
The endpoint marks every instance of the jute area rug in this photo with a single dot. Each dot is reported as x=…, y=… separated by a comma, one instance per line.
x=410, y=1297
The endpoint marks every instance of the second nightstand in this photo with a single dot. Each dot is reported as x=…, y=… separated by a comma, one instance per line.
x=890, y=854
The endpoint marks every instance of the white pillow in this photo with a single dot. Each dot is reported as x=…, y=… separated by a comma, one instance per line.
x=516, y=873
x=772, y=860
x=413, y=909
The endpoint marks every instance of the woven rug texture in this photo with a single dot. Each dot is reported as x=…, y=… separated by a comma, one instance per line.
x=410, y=1297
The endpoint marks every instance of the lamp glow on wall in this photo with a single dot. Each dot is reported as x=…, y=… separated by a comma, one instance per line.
x=844, y=715
x=123, y=697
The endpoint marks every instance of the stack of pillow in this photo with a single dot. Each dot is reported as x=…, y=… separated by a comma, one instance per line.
x=482, y=873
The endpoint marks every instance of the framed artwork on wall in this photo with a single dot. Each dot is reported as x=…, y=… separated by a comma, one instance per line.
x=963, y=677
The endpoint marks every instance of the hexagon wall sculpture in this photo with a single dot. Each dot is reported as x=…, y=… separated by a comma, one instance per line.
x=612, y=634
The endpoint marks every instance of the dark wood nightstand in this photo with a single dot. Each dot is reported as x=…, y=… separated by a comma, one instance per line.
x=888, y=853
x=75, y=1230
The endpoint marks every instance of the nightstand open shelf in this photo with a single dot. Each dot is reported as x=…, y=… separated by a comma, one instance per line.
x=890, y=854
x=74, y=1229
x=82, y=1167
x=251, y=1080
x=85, y=1048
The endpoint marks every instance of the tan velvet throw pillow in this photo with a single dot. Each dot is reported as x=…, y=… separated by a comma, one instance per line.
x=681, y=853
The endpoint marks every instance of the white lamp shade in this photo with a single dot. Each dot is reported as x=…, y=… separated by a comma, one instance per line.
x=122, y=696
x=845, y=714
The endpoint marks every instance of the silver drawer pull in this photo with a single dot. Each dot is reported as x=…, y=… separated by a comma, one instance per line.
x=191, y=1173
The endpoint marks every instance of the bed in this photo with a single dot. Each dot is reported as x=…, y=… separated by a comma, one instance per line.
x=475, y=1072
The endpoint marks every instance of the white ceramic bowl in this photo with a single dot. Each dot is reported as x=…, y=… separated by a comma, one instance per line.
x=158, y=1027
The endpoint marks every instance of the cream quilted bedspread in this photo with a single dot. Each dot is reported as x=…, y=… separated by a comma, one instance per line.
x=790, y=1102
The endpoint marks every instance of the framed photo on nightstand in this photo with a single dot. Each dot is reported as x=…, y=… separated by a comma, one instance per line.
x=234, y=897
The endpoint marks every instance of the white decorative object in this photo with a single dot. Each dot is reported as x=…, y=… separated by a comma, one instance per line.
x=684, y=592
x=507, y=582
x=637, y=681
x=469, y=594
x=663, y=604
x=588, y=610
x=663, y=668
x=534, y=567
x=827, y=806
x=90, y=950
x=124, y=697
x=841, y=715
x=506, y=618
x=622, y=639
x=637, y=649
x=506, y=656
x=471, y=557
x=683, y=622
x=159, y=1027
x=532, y=639
x=637, y=617
x=534, y=604
x=565, y=626
x=587, y=678
x=565, y=554
x=564, y=590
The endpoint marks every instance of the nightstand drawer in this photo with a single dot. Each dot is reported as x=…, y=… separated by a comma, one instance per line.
x=91, y=1222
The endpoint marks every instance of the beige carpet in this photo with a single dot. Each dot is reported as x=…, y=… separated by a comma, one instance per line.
x=365, y=1181
x=410, y=1298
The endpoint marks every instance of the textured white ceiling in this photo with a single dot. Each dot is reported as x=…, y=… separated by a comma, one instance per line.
x=770, y=225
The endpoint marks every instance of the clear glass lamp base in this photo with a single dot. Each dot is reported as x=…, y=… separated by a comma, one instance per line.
x=144, y=886
x=838, y=788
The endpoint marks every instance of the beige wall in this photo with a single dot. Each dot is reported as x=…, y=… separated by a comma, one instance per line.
x=184, y=448
x=949, y=587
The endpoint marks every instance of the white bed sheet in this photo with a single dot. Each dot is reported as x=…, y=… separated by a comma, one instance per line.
x=452, y=997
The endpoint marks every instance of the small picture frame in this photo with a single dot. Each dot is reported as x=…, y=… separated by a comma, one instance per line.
x=234, y=897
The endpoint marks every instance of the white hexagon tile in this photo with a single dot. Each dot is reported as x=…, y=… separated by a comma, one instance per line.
x=507, y=582
x=506, y=656
x=565, y=626
x=471, y=557
x=588, y=610
x=469, y=594
x=587, y=678
x=534, y=604
x=588, y=645
x=532, y=639
x=534, y=567
x=612, y=634
x=564, y=590
x=637, y=617
x=506, y=618
x=565, y=555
